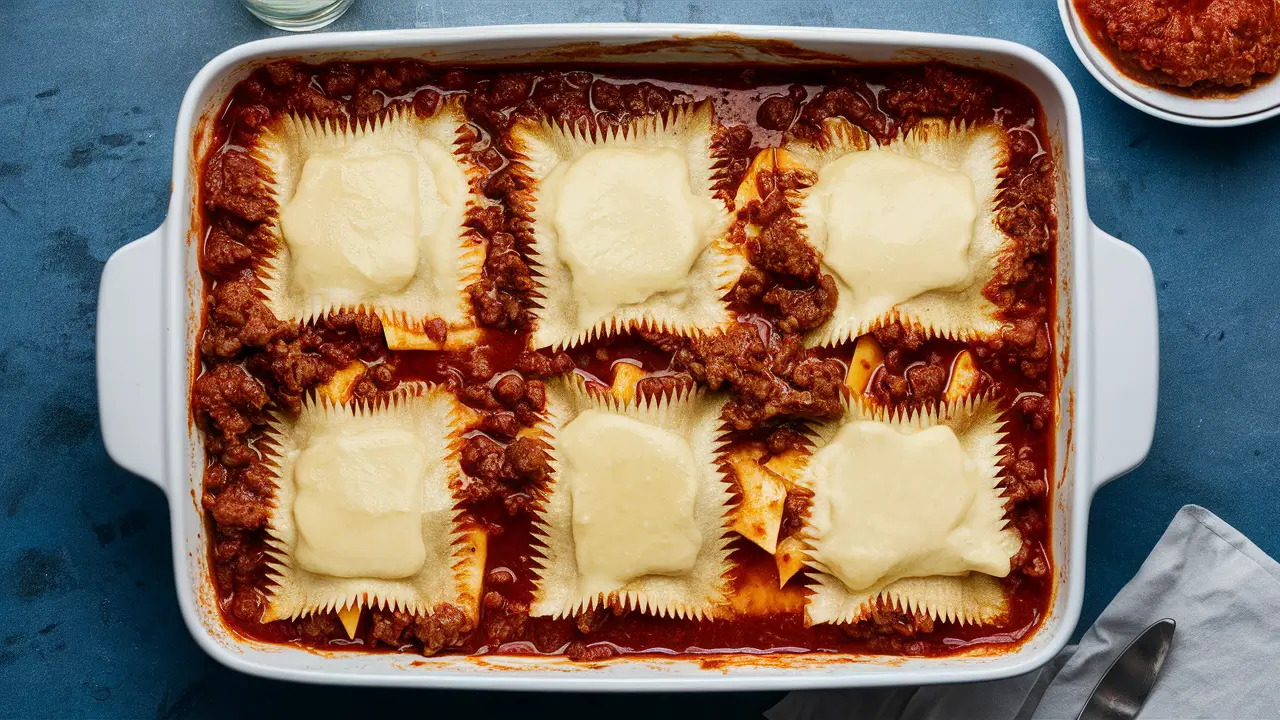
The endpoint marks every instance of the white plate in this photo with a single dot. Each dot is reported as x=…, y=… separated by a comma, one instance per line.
x=1258, y=103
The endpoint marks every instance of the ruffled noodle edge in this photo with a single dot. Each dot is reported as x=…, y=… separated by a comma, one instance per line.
x=296, y=593
x=538, y=147
x=972, y=598
x=961, y=315
x=406, y=313
x=691, y=413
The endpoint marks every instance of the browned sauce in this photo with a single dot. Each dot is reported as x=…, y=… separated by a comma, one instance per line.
x=1198, y=48
x=253, y=363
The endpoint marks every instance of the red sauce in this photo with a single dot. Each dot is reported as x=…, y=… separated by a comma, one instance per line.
x=1199, y=48
x=252, y=363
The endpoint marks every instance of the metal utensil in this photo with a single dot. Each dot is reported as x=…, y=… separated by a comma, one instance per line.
x=1124, y=687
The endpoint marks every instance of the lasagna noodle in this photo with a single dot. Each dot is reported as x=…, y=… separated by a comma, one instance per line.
x=960, y=309
x=559, y=588
x=454, y=556
x=423, y=219
x=967, y=598
x=581, y=180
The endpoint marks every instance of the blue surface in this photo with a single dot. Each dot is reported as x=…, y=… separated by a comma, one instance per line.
x=89, y=93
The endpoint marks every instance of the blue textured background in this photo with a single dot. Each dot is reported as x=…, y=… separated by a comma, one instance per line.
x=89, y=93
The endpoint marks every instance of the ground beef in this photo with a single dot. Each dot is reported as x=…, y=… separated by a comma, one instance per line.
x=233, y=182
x=768, y=379
x=735, y=145
x=780, y=249
x=914, y=374
x=499, y=297
x=1175, y=42
x=785, y=271
x=446, y=626
x=526, y=461
x=1030, y=560
x=928, y=380
x=226, y=252
x=580, y=651
x=239, y=319
x=290, y=372
x=852, y=100
x=1036, y=410
x=525, y=399
x=1024, y=479
x=885, y=619
x=654, y=386
x=502, y=424
x=318, y=626
x=229, y=398
x=618, y=104
x=503, y=620
x=939, y=91
x=806, y=309
x=784, y=438
x=1023, y=346
x=238, y=507
x=540, y=364
x=549, y=636
x=482, y=459
x=503, y=472
x=778, y=112
x=247, y=604
x=388, y=626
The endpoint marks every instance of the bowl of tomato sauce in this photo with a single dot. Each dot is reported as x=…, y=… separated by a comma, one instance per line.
x=1194, y=62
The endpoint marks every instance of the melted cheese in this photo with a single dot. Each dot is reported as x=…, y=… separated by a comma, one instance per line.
x=353, y=222
x=364, y=222
x=895, y=227
x=359, y=504
x=628, y=225
x=891, y=505
x=633, y=488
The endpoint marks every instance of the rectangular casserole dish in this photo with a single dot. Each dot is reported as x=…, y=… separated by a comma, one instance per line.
x=1106, y=335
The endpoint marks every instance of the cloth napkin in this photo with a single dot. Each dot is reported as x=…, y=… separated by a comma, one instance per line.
x=1223, y=592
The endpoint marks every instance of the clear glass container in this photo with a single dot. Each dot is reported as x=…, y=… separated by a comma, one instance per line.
x=297, y=15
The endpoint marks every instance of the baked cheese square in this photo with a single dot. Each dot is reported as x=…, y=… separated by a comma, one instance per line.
x=364, y=511
x=371, y=217
x=637, y=510
x=907, y=510
x=907, y=229
x=625, y=227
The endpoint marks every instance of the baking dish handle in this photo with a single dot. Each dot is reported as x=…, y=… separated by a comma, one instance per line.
x=1126, y=357
x=129, y=357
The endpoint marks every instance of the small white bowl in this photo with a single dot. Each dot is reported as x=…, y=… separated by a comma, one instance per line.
x=1253, y=105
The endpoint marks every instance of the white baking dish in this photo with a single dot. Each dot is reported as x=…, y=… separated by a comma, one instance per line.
x=149, y=306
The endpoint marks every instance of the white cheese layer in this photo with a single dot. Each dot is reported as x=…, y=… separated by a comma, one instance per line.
x=628, y=225
x=359, y=504
x=893, y=227
x=892, y=504
x=633, y=488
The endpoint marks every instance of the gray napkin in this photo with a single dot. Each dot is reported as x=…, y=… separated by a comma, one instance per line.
x=1221, y=589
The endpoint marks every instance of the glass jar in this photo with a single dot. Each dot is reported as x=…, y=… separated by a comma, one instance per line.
x=297, y=15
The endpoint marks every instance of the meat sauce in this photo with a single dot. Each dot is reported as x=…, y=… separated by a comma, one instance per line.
x=252, y=363
x=1199, y=48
